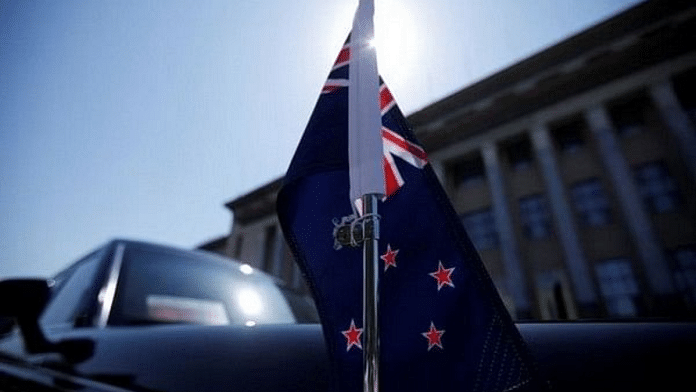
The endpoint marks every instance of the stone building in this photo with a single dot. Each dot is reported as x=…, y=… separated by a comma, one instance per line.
x=574, y=172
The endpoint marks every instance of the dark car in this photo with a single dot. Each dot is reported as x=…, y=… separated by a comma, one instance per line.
x=142, y=317
x=145, y=317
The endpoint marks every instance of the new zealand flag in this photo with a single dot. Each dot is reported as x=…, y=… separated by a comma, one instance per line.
x=443, y=325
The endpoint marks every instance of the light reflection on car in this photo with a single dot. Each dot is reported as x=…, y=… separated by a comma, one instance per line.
x=160, y=286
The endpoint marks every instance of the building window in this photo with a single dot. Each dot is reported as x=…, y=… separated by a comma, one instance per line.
x=658, y=188
x=553, y=294
x=591, y=203
x=685, y=273
x=480, y=225
x=569, y=136
x=629, y=116
x=535, y=217
x=469, y=172
x=519, y=153
x=618, y=286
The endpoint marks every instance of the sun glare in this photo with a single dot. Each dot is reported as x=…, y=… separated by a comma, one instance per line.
x=397, y=41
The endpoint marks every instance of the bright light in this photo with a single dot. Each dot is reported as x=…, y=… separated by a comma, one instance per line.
x=250, y=323
x=249, y=302
x=246, y=269
x=398, y=42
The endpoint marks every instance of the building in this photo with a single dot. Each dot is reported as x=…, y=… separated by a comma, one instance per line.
x=574, y=172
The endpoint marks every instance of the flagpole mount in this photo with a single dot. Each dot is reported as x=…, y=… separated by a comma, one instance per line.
x=354, y=230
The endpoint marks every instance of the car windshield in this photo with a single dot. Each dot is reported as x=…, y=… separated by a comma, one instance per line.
x=166, y=286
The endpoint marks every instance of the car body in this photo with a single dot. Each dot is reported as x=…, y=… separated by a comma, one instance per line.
x=133, y=316
x=170, y=320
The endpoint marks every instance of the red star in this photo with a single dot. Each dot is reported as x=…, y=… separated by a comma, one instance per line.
x=443, y=276
x=433, y=336
x=352, y=336
x=389, y=258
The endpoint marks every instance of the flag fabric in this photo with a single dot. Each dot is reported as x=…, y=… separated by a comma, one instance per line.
x=443, y=326
x=364, y=119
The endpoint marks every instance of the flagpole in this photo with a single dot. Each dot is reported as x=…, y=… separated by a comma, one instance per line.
x=371, y=296
x=366, y=174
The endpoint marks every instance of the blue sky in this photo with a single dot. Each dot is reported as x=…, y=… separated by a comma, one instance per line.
x=140, y=119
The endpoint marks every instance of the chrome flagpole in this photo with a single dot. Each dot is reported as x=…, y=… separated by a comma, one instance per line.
x=371, y=295
x=365, y=154
x=362, y=228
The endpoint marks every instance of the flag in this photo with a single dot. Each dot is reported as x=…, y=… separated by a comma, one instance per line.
x=443, y=325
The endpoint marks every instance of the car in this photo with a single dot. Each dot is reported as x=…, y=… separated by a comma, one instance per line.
x=134, y=316
x=138, y=316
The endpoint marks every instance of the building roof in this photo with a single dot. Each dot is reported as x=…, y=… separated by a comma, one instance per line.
x=637, y=38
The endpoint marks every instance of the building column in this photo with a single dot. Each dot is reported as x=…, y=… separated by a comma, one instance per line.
x=278, y=241
x=677, y=121
x=563, y=216
x=651, y=253
x=515, y=277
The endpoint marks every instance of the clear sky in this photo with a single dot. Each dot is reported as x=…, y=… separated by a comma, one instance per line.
x=140, y=119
